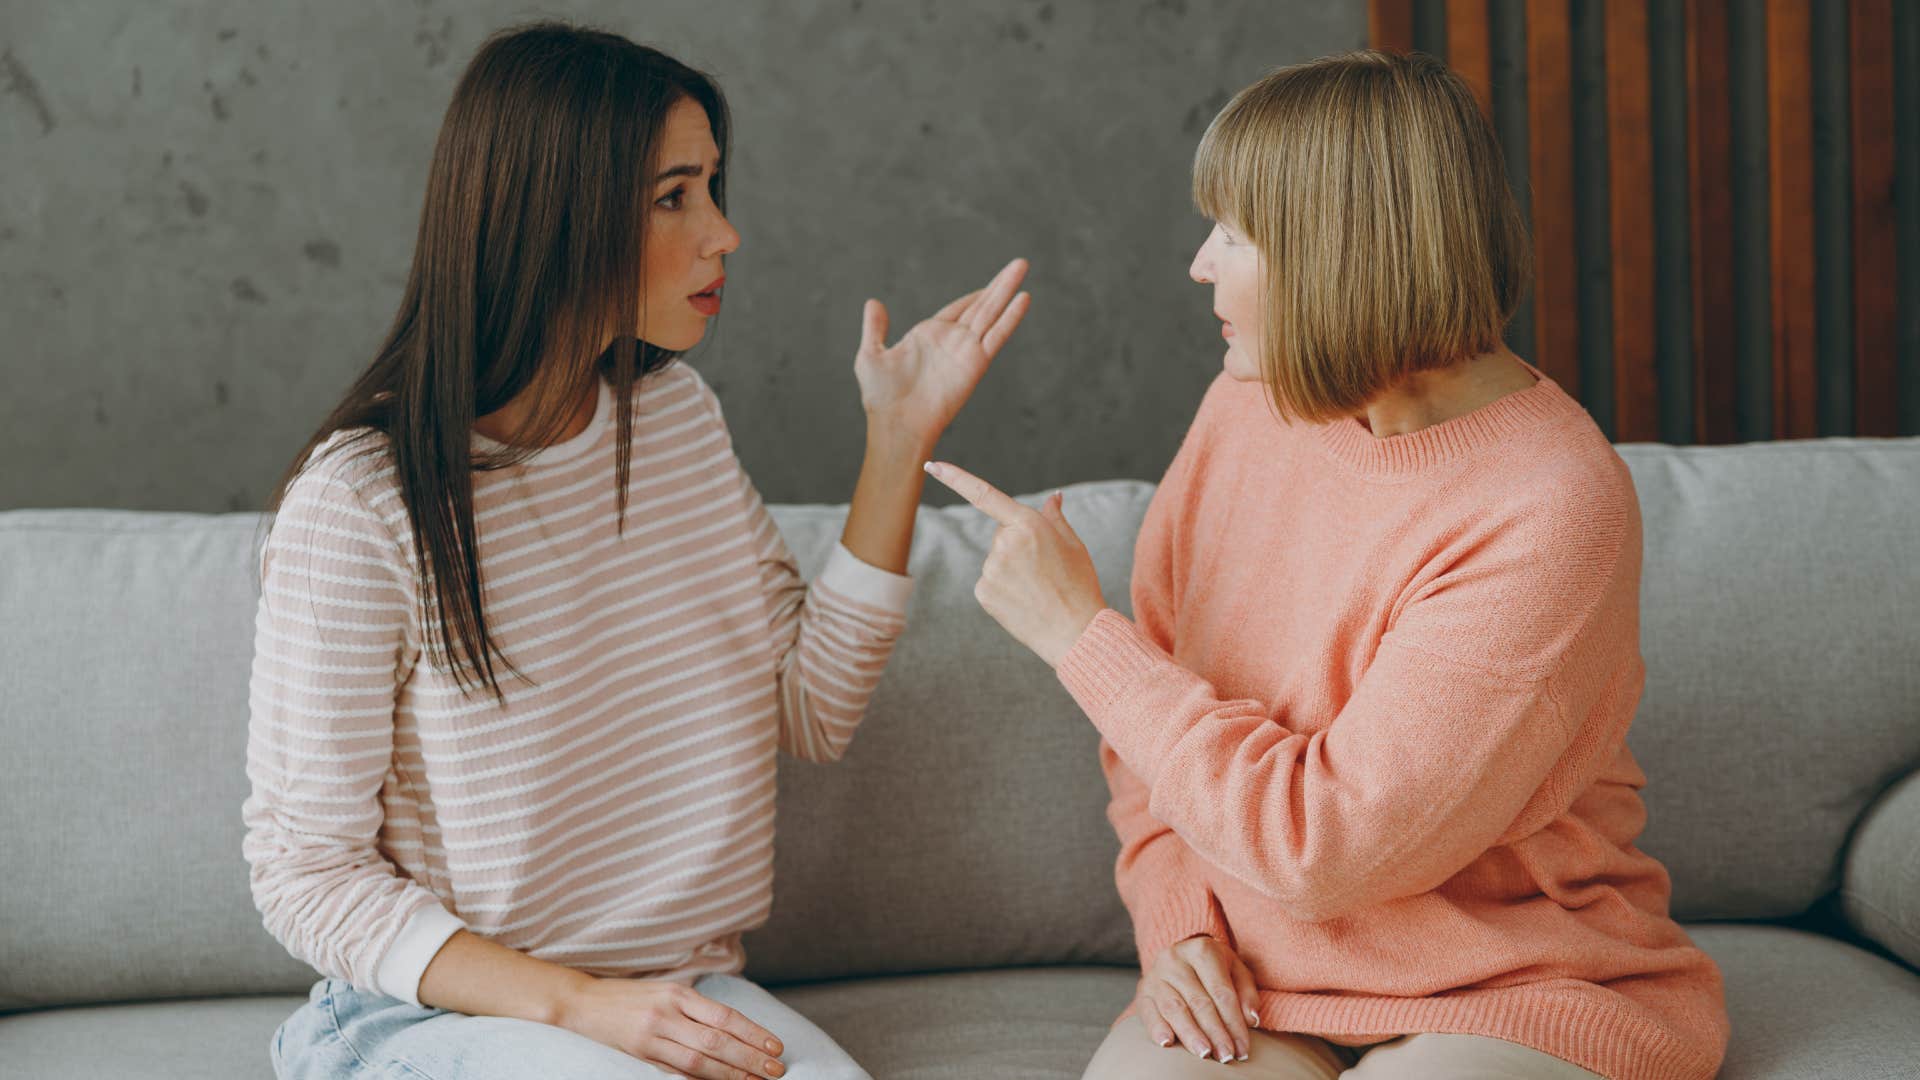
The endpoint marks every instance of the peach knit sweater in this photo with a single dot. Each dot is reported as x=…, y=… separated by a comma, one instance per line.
x=1368, y=727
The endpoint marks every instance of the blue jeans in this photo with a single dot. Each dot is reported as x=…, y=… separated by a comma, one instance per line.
x=344, y=1032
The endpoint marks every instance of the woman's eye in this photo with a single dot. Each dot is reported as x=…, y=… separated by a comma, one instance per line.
x=669, y=201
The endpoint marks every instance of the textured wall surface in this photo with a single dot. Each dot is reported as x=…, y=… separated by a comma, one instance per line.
x=207, y=212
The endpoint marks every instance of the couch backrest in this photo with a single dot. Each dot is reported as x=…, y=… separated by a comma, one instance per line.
x=1780, y=622
x=966, y=826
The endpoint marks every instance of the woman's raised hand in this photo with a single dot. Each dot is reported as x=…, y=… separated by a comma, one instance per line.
x=916, y=386
x=1199, y=992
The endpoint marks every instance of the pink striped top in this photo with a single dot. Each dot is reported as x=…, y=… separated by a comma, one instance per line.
x=616, y=814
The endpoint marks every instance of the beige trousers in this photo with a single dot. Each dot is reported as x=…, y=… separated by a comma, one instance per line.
x=1129, y=1054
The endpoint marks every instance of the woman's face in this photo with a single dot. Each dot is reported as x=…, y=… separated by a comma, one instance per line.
x=1231, y=264
x=687, y=235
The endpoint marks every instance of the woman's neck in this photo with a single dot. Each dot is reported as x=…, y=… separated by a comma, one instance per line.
x=1426, y=398
x=505, y=421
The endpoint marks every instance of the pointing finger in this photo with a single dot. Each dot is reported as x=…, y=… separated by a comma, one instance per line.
x=990, y=500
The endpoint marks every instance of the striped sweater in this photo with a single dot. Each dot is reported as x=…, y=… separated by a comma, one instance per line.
x=616, y=815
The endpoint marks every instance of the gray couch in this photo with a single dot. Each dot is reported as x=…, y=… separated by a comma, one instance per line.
x=945, y=904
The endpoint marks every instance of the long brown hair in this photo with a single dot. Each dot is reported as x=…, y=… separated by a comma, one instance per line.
x=1373, y=187
x=527, y=262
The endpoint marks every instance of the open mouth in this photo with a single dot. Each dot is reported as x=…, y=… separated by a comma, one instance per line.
x=707, y=300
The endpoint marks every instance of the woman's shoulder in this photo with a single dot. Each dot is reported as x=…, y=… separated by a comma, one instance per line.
x=1573, y=467
x=349, y=477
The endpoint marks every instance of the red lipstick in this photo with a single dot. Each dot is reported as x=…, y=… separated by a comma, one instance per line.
x=707, y=300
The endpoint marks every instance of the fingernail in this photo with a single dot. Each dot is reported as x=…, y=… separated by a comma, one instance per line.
x=1253, y=1017
x=1164, y=1041
x=773, y=1046
x=774, y=1068
x=1204, y=1050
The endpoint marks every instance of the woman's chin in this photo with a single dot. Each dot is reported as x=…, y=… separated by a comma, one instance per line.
x=679, y=341
x=1239, y=368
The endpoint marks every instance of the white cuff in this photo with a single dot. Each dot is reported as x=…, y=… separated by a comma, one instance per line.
x=407, y=959
x=857, y=580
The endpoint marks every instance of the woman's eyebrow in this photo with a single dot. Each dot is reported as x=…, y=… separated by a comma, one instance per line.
x=684, y=170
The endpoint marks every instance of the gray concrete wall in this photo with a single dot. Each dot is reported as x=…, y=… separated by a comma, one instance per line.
x=207, y=212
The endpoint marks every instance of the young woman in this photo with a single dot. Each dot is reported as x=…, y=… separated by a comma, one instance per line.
x=528, y=639
x=1365, y=732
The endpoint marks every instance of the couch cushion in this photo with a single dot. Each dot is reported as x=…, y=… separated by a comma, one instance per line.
x=1807, y=1007
x=164, y=1040
x=1020, y=1023
x=1777, y=619
x=127, y=639
x=1804, y=1007
x=970, y=809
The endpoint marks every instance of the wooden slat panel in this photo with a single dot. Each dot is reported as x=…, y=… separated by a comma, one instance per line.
x=1390, y=25
x=1876, y=271
x=1716, y=416
x=1636, y=385
x=1470, y=48
x=1556, y=309
x=1790, y=182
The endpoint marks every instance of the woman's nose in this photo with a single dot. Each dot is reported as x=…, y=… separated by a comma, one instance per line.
x=725, y=239
x=1201, y=271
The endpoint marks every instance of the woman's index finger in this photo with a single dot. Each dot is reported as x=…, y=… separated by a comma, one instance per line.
x=988, y=499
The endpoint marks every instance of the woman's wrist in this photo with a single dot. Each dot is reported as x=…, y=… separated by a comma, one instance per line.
x=892, y=443
x=562, y=999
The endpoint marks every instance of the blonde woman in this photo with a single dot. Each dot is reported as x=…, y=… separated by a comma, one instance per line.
x=1365, y=732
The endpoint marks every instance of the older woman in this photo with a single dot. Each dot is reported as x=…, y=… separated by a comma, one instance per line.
x=1366, y=730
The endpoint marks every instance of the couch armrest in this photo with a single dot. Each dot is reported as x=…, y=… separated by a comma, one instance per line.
x=1880, y=880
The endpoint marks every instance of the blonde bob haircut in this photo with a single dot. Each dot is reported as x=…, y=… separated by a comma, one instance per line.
x=1374, y=191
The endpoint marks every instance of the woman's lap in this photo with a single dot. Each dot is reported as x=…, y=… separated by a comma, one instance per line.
x=1127, y=1053
x=344, y=1032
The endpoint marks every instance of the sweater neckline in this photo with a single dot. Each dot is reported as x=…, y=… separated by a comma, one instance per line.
x=565, y=449
x=1349, y=441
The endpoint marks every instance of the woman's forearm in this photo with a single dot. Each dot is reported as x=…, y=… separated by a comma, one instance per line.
x=879, y=528
x=483, y=978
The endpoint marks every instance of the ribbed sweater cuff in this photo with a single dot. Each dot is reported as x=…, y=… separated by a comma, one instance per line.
x=1184, y=909
x=1107, y=658
x=862, y=582
x=413, y=949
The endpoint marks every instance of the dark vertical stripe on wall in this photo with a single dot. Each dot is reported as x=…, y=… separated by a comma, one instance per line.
x=1550, y=165
x=1790, y=218
x=1595, y=222
x=1906, y=124
x=1875, y=266
x=1752, y=289
x=1832, y=216
x=1711, y=265
x=1430, y=27
x=1673, y=306
x=1507, y=22
x=1631, y=263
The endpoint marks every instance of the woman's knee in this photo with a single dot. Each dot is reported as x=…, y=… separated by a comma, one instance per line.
x=1128, y=1053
